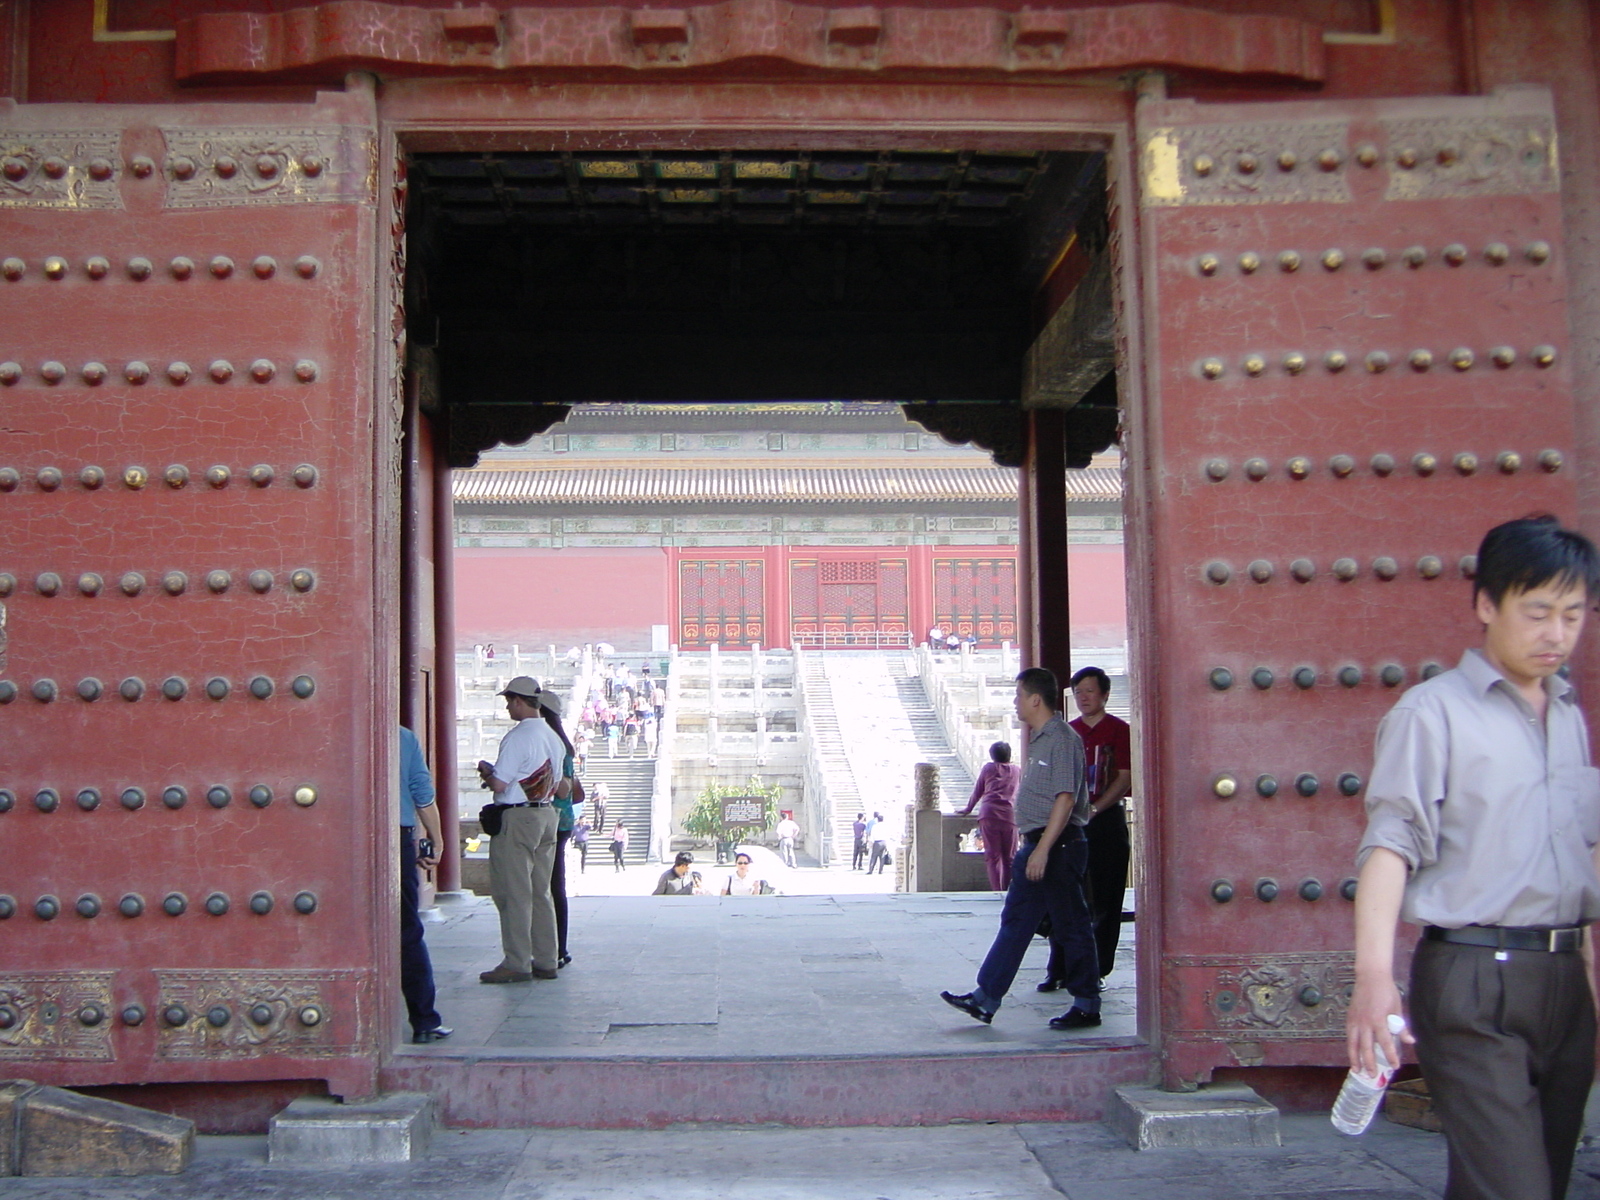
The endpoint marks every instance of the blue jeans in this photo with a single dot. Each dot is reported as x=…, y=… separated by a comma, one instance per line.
x=1059, y=893
x=416, y=968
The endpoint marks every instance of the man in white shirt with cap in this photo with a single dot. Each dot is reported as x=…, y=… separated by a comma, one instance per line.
x=524, y=779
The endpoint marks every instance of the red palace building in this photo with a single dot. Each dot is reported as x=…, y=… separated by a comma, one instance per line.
x=1327, y=272
x=839, y=524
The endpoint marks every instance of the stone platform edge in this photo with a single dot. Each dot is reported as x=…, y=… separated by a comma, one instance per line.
x=501, y=1092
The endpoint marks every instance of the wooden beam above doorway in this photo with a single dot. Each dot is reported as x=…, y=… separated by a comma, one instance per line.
x=322, y=42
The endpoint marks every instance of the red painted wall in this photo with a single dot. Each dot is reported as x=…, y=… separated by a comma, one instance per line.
x=1097, y=591
x=534, y=598
x=565, y=597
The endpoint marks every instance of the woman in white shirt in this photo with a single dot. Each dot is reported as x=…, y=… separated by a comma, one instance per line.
x=741, y=882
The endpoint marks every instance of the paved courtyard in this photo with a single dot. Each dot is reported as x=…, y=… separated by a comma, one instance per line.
x=820, y=974
x=960, y=1162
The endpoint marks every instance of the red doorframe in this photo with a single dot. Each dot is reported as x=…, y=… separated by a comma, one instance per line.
x=427, y=115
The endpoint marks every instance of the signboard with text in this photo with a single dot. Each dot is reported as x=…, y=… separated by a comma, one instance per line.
x=744, y=812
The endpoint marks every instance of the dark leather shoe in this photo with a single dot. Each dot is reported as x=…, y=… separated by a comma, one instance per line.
x=1050, y=985
x=505, y=975
x=542, y=973
x=1075, y=1018
x=967, y=1005
x=563, y=961
x=431, y=1035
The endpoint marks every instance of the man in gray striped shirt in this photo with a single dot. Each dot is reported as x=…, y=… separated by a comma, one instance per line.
x=1052, y=807
x=1483, y=818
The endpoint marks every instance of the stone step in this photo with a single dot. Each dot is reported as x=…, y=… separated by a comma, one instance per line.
x=322, y=1130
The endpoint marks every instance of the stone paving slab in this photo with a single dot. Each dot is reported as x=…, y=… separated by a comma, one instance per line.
x=960, y=1162
x=753, y=976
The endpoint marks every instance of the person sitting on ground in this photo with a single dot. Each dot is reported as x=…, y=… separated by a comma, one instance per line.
x=678, y=879
x=742, y=882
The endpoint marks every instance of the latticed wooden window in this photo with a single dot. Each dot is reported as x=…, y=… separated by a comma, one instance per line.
x=850, y=571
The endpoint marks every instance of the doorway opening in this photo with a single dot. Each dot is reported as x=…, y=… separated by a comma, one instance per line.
x=964, y=287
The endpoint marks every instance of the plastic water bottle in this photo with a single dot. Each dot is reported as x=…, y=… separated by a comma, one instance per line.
x=1362, y=1093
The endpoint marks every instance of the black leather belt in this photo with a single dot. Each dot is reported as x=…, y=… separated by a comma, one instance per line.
x=529, y=804
x=1072, y=833
x=1507, y=937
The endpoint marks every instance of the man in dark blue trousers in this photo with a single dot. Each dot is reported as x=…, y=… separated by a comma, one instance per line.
x=416, y=968
x=1052, y=808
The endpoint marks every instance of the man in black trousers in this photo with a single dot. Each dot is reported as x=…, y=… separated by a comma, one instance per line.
x=1483, y=815
x=1047, y=876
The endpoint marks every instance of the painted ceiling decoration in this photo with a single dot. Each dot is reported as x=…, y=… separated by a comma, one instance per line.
x=745, y=189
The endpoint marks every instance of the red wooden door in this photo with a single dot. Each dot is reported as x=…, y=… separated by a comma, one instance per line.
x=721, y=602
x=197, y=827
x=1357, y=337
x=850, y=601
x=976, y=596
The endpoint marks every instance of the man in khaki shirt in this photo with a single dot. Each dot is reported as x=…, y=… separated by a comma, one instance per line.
x=1483, y=819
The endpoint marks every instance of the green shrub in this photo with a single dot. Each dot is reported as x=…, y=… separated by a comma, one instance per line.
x=704, y=820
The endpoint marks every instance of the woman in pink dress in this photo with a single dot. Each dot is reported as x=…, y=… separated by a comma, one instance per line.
x=996, y=786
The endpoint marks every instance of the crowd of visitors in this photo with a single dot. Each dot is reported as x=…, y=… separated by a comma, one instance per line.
x=623, y=711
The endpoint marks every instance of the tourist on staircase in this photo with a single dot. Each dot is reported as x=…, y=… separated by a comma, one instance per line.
x=580, y=839
x=619, y=845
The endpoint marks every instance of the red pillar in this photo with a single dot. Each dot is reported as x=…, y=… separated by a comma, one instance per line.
x=775, y=588
x=674, y=597
x=920, y=572
x=1046, y=618
x=444, y=666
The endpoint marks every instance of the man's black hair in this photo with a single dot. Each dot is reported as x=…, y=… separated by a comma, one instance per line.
x=1000, y=752
x=1094, y=673
x=1042, y=682
x=1531, y=552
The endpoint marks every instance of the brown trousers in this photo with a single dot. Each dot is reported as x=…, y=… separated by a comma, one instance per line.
x=1508, y=1051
